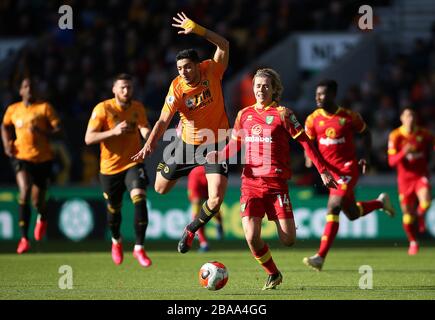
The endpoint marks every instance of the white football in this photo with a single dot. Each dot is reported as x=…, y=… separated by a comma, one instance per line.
x=213, y=275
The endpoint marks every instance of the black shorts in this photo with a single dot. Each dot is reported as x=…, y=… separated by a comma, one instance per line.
x=39, y=173
x=179, y=161
x=114, y=185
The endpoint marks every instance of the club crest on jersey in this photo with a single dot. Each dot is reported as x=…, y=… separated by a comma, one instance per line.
x=419, y=138
x=269, y=119
x=342, y=121
x=330, y=133
x=321, y=123
x=249, y=118
x=256, y=130
x=190, y=102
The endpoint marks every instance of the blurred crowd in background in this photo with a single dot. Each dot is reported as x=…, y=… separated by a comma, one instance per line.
x=74, y=68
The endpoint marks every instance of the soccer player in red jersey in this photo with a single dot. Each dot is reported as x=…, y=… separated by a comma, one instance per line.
x=409, y=148
x=27, y=128
x=333, y=128
x=197, y=192
x=265, y=128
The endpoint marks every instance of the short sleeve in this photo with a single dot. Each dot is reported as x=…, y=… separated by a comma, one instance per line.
x=357, y=122
x=97, y=118
x=309, y=127
x=217, y=69
x=170, y=104
x=7, y=118
x=52, y=116
x=392, y=144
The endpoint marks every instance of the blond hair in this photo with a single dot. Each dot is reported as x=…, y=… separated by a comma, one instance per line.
x=275, y=80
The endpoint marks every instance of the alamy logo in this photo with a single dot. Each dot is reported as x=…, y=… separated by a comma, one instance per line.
x=66, y=20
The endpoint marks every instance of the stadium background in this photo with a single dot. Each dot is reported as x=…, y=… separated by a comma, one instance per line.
x=378, y=71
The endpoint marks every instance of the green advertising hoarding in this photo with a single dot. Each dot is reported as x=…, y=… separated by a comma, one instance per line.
x=79, y=213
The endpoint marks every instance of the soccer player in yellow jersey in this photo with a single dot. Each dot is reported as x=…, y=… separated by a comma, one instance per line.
x=196, y=93
x=33, y=123
x=118, y=125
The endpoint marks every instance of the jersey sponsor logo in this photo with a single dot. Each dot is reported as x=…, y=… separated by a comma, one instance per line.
x=269, y=119
x=256, y=129
x=329, y=141
x=258, y=139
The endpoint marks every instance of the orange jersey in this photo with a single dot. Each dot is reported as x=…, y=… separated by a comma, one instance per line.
x=116, y=152
x=334, y=135
x=200, y=107
x=30, y=144
x=416, y=162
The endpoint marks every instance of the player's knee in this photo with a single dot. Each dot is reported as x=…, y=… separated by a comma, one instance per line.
x=288, y=241
x=160, y=189
x=334, y=209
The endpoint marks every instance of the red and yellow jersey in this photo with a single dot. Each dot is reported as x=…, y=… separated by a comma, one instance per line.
x=266, y=136
x=416, y=162
x=201, y=107
x=116, y=152
x=334, y=134
x=30, y=123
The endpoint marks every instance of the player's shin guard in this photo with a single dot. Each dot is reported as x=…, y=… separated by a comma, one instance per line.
x=202, y=218
x=409, y=227
x=365, y=207
x=140, y=217
x=24, y=219
x=264, y=258
x=331, y=229
x=114, y=220
x=423, y=206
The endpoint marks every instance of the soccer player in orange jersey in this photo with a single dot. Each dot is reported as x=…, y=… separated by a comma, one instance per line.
x=196, y=93
x=265, y=129
x=409, y=149
x=333, y=128
x=118, y=125
x=33, y=123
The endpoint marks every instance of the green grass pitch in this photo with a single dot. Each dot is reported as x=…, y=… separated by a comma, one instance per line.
x=175, y=276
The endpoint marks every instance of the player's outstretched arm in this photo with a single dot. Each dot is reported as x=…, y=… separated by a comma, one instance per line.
x=189, y=26
x=157, y=132
x=318, y=161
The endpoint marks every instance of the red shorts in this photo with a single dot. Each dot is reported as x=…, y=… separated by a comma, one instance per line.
x=268, y=196
x=408, y=189
x=197, y=187
x=346, y=183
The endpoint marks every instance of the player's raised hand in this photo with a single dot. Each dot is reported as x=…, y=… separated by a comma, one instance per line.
x=188, y=25
x=328, y=180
